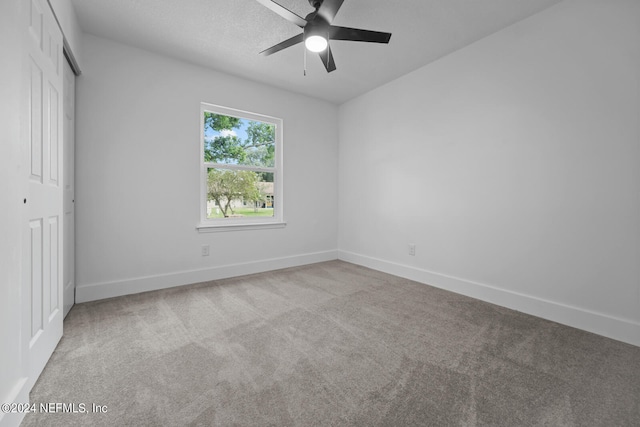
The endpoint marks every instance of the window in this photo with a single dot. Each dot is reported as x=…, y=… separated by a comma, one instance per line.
x=241, y=169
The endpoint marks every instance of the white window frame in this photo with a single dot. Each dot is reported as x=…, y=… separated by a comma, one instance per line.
x=248, y=223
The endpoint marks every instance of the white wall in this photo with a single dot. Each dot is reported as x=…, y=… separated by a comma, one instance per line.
x=516, y=162
x=137, y=174
x=12, y=191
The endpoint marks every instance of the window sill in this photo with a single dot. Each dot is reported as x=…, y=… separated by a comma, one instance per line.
x=216, y=228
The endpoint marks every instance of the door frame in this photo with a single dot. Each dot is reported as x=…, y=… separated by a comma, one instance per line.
x=68, y=225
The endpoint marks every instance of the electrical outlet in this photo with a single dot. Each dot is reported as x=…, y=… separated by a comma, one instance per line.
x=412, y=249
x=205, y=250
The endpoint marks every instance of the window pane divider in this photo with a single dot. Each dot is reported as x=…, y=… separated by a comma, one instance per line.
x=239, y=167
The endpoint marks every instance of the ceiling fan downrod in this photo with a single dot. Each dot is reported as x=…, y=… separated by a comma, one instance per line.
x=315, y=4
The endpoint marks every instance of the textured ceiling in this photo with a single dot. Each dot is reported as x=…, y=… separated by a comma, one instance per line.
x=226, y=35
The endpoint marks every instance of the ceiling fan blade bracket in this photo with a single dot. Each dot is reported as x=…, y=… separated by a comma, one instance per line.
x=329, y=8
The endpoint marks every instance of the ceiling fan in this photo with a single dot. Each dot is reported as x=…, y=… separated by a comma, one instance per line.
x=317, y=30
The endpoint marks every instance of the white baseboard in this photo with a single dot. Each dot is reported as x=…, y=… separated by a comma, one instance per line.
x=616, y=328
x=20, y=395
x=97, y=291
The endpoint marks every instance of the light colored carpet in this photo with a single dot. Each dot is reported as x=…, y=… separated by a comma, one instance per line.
x=331, y=344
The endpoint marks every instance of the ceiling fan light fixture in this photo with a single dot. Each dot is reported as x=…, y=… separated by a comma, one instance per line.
x=316, y=43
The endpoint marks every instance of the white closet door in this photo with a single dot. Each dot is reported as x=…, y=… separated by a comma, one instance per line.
x=45, y=192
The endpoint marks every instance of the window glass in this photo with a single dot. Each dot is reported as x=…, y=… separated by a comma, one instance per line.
x=241, y=167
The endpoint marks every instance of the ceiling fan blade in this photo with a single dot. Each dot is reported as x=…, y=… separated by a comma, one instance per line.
x=327, y=59
x=284, y=12
x=329, y=9
x=283, y=45
x=358, y=35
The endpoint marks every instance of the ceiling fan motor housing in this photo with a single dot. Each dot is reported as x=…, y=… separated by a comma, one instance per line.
x=317, y=26
x=315, y=4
